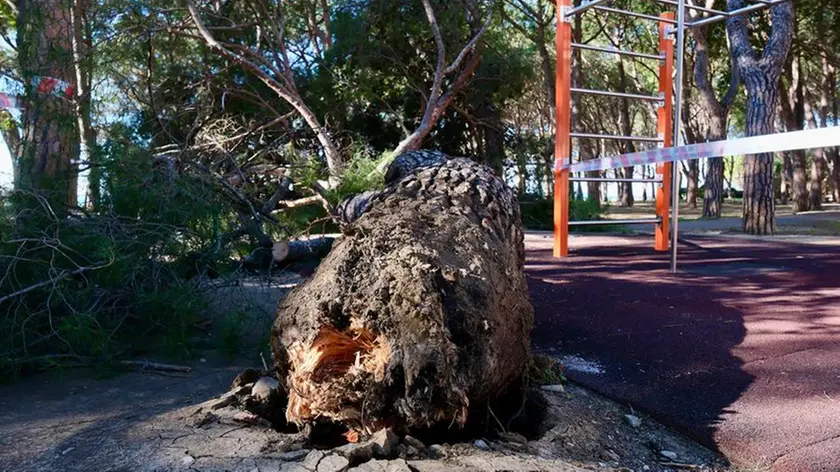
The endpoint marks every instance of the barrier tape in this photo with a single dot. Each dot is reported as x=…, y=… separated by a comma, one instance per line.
x=45, y=85
x=807, y=139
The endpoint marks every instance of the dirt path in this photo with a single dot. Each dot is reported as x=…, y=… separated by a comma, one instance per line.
x=741, y=349
x=144, y=422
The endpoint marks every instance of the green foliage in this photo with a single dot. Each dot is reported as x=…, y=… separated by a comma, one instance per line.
x=538, y=213
x=546, y=370
x=92, y=286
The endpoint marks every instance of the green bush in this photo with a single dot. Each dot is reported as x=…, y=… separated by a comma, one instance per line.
x=83, y=286
x=538, y=213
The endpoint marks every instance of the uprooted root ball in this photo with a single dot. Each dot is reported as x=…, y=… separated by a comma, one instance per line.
x=419, y=315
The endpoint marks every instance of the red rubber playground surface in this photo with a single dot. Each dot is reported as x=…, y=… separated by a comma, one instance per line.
x=740, y=350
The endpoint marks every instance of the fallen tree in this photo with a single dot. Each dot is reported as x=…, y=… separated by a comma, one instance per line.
x=419, y=316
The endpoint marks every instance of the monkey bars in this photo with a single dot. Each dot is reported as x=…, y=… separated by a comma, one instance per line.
x=672, y=29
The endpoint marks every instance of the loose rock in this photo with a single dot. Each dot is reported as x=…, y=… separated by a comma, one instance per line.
x=263, y=388
x=412, y=441
x=375, y=465
x=386, y=441
x=245, y=377
x=437, y=450
x=668, y=454
x=333, y=463
x=481, y=444
x=312, y=459
x=633, y=420
x=554, y=388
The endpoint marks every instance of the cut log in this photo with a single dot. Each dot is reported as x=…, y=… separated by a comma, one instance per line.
x=301, y=249
x=419, y=315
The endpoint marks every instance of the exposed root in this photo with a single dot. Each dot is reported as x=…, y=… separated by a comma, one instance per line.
x=323, y=370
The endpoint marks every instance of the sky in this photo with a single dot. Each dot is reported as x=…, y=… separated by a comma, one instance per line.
x=5, y=166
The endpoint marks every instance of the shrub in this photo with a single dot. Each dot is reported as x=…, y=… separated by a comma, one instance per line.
x=86, y=285
x=538, y=213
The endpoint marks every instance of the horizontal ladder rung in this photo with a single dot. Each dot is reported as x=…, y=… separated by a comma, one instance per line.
x=586, y=6
x=653, y=98
x=648, y=221
x=616, y=179
x=694, y=7
x=646, y=139
x=634, y=14
x=620, y=52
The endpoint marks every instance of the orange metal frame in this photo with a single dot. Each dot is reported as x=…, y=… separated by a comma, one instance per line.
x=563, y=145
x=664, y=127
x=563, y=126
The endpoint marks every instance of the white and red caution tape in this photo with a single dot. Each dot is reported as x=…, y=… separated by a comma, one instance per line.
x=808, y=139
x=44, y=85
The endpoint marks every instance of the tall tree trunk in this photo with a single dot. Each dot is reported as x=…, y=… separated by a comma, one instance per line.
x=589, y=148
x=626, y=126
x=761, y=78
x=717, y=112
x=786, y=178
x=49, y=146
x=692, y=176
x=82, y=68
x=492, y=131
x=834, y=152
x=817, y=175
x=793, y=115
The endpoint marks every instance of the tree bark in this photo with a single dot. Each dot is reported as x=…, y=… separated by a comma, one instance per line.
x=626, y=126
x=793, y=115
x=718, y=112
x=399, y=326
x=82, y=68
x=49, y=147
x=692, y=176
x=761, y=78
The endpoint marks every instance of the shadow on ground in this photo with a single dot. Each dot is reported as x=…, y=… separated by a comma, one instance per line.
x=739, y=350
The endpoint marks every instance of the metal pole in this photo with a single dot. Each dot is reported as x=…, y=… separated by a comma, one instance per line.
x=617, y=137
x=604, y=93
x=678, y=86
x=644, y=221
x=634, y=14
x=562, y=127
x=694, y=7
x=586, y=6
x=620, y=52
x=614, y=179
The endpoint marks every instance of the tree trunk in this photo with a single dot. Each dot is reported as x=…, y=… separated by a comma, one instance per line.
x=815, y=185
x=82, y=68
x=786, y=178
x=834, y=152
x=691, y=186
x=713, y=193
x=626, y=126
x=761, y=78
x=759, y=201
x=492, y=134
x=399, y=326
x=793, y=114
x=49, y=147
x=717, y=111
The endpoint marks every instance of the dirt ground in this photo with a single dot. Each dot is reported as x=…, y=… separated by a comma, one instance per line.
x=148, y=422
